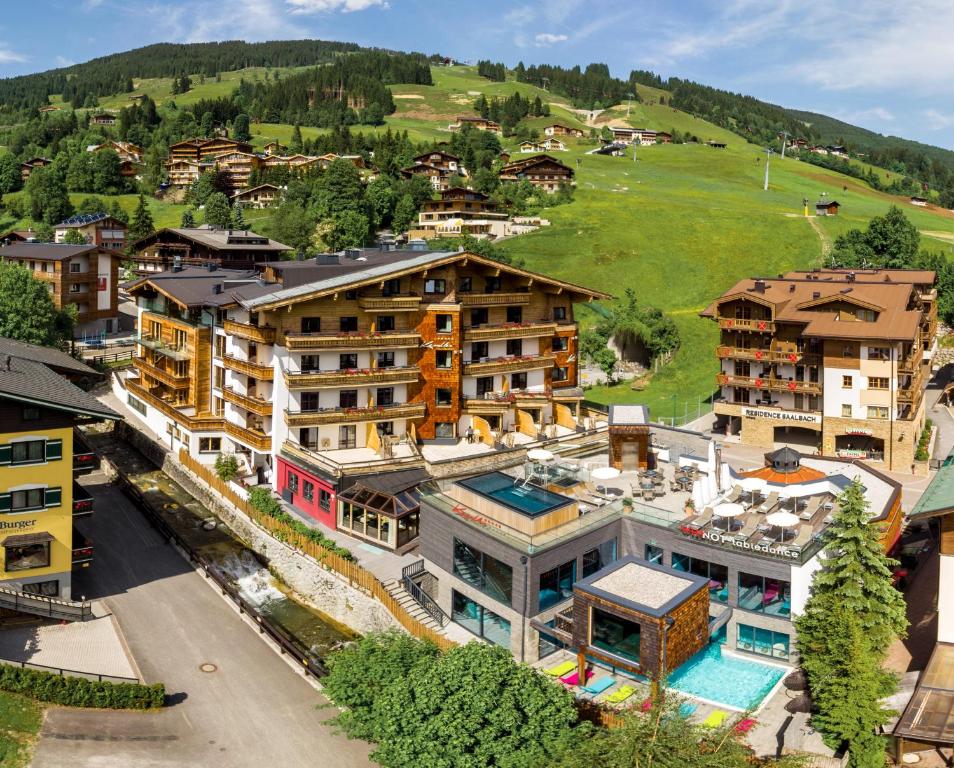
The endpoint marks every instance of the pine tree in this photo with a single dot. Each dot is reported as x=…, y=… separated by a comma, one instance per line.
x=238, y=218
x=188, y=219
x=141, y=225
x=295, y=145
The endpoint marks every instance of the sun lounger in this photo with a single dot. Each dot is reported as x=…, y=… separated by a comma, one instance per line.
x=735, y=494
x=715, y=719
x=619, y=696
x=804, y=537
x=769, y=504
x=748, y=529
x=561, y=669
x=597, y=687
x=703, y=519
x=745, y=725
x=574, y=678
x=687, y=709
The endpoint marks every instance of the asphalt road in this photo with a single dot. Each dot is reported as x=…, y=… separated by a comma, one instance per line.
x=252, y=711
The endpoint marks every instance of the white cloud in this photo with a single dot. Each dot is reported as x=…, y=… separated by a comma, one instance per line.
x=329, y=6
x=872, y=114
x=938, y=121
x=547, y=38
x=62, y=61
x=10, y=57
x=89, y=5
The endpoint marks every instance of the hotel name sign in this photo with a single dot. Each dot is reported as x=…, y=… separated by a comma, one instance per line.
x=796, y=417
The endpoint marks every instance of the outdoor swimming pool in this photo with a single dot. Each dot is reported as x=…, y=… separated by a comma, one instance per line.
x=528, y=500
x=726, y=679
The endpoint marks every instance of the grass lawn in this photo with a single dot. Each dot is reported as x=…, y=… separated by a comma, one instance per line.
x=20, y=720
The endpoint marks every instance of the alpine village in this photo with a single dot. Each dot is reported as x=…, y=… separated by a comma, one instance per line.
x=361, y=407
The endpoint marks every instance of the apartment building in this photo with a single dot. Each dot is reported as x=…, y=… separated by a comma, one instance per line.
x=542, y=171
x=39, y=543
x=192, y=246
x=836, y=360
x=460, y=211
x=85, y=276
x=99, y=229
x=354, y=363
x=480, y=123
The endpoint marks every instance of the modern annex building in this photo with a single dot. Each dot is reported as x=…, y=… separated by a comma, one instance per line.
x=832, y=359
x=350, y=364
x=39, y=408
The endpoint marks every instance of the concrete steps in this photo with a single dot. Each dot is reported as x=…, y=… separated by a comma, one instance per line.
x=397, y=591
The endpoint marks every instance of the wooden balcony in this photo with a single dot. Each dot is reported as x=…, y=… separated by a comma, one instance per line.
x=352, y=378
x=161, y=347
x=193, y=422
x=403, y=303
x=254, y=404
x=793, y=357
x=254, y=438
x=747, y=324
x=255, y=370
x=509, y=364
x=912, y=362
x=509, y=331
x=911, y=393
x=352, y=415
x=169, y=378
x=361, y=340
x=261, y=334
x=769, y=383
x=493, y=299
x=478, y=406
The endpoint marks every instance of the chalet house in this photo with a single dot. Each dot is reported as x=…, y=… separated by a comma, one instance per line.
x=623, y=134
x=439, y=177
x=26, y=168
x=275, y=148
x=262, y=196
x=296, y=162
x=663, y=137
x=130, y=156
x=356, y=160
x=184, y=173
x=542, y=171
x=444, y=161
x=827, y=208
x=99, y=229
x=837, y=151
x=18, y=236
x=818, y=150
x=530, y=147
x=460, y=212
x=238, y=167
x=919, y=201
x=504, y=157
x=83, y=276
x=561, y=130
x=200, y=149
x=552, y=144
x=480, y=123
x=202, y=246
x=103, y=118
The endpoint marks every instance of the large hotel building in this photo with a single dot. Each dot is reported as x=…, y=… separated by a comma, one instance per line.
x=834, y=360
x=355, y=363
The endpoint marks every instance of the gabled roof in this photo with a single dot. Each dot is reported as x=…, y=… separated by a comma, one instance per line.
x=244, y=192
x=54, y=358
x=44, y=251
x=198, y=286
x=85, y=219
x=221, y=239
x=520, y=165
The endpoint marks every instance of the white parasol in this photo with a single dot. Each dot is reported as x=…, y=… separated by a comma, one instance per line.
x=539, y=454
x=728, y=510
x=605, y=473
x=782, y=520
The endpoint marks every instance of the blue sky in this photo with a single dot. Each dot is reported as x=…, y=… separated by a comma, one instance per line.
x=877, y=63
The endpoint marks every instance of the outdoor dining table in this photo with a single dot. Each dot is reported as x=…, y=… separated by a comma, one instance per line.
x=685, y=481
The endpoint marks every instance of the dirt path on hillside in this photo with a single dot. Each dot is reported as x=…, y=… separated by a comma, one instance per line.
x=825, y=240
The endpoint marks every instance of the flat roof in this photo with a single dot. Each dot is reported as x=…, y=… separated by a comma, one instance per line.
x=523, y=498
x=641, y=586
x=929, y=715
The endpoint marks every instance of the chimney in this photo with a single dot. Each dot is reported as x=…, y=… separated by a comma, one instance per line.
x=418, y=244
x=211, y=267
x=816, y=295
x=177, y=263
x=217, y=289
x=352, y=253
x=760, y=286
x=851, y=277
x=791, y=288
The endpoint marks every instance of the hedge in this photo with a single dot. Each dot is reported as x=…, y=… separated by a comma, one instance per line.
x=262, y=500
x=78, y=691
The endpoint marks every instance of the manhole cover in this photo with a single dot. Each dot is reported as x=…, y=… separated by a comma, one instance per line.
x=208, y=667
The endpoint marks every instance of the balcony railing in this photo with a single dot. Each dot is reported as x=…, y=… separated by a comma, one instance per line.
x=204, y=422
x=508, y=364
x=254, y=404
x=770, y=383
x=250, y=436
x=912, y=362
x=911, y=392
x=747, y=324
x=509, y=331
x=407, y=302
x=262, y=334
x=163, y=348
x=351, y=377
x=493, y=299
x=356, y=340
x=255, y=370
x=169, y=378
x=794, y=357
x=479, y=406
x=322, y=416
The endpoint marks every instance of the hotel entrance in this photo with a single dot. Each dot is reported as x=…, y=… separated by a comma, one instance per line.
x=859, y=446
x=802, y=438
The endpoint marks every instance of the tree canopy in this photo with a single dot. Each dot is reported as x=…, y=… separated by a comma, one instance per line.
x=27, y=312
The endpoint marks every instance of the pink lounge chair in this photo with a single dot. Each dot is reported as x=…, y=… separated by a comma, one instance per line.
x=746, y=725
x=574, y=678
x=646, y=705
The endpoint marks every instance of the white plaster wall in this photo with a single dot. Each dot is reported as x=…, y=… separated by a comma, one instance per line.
x=836, y=395
x=801, y=583
x=104, y=273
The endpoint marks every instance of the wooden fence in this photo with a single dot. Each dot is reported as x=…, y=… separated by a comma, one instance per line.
x=356, y=575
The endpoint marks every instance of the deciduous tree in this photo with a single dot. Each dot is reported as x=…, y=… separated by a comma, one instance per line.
x=27, y=312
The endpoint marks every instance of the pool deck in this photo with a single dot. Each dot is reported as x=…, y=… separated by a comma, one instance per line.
x=773, y=722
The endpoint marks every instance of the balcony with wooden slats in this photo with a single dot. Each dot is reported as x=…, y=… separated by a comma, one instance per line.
x=177, y=413
x=793, y=357
x=261, y=334
x=509, y=299
x=509, y=331
x=255, y=370
x=352, y=377
x=167, y=377
x=769, y=383
x=407, y=302
x=254, y=404
x=324, y=416
x=747, y=324
x=360, y=340
x=254, y=438
x=509, y=364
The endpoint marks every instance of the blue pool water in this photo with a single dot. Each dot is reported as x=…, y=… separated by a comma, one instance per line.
x=528, y=500
x=728, y=680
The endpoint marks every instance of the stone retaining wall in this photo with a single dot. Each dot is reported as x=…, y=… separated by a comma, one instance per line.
x=316, y=586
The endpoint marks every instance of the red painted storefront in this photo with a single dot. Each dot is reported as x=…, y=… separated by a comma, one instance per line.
x=295, y=485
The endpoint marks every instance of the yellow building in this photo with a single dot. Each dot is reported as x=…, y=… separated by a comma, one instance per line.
x=38, y=411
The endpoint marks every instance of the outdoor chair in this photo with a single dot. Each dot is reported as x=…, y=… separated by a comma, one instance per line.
x=597, y=687
x=620, y=695
x=769, y=504
x=734, y=495
x=702, y=520
x=561, y=669
x=804, y=537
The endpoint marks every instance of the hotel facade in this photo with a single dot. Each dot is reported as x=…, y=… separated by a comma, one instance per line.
x=834, y=360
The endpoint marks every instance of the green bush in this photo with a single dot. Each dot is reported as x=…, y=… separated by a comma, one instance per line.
x=226, y=466
x=79, y=692
x=921, y=454
x=262, y=500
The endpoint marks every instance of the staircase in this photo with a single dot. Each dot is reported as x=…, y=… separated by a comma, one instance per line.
x=396, y=589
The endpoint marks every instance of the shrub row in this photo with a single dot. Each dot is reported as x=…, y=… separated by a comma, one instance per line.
x=78, y=691
x=921, y=454
x=263, y=501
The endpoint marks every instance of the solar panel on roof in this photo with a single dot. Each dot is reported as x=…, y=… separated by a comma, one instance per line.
x=83, y=219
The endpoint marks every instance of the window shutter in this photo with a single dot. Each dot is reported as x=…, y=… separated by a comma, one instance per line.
x=6, y=502
x=54, y=450
x=6, y=453
x=53, y=497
